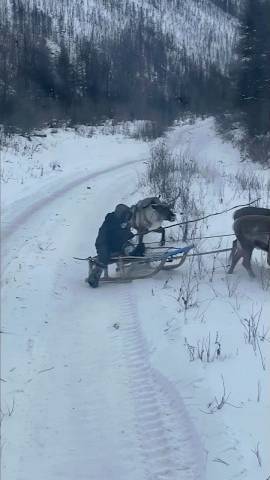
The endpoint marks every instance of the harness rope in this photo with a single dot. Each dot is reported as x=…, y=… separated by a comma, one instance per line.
x=195, y=238
x=201, y=218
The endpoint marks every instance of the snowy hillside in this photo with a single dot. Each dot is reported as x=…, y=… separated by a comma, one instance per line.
x=83, y=62
x=162, y=378
x=198, y=29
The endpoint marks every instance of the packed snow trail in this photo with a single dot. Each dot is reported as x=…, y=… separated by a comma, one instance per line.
x=79, y=396
x=35, y=206
x=22, y=210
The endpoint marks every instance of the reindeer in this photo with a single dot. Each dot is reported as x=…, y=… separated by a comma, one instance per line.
x=241, y=212
x=252, y=231
x=148, y=214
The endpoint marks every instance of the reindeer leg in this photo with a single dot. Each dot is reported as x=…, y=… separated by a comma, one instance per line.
x=246, y=262
x=140, y=239
x=106, y=272
x=162, y=231
x=163, y=240
x=233, y=250
x=236, y=254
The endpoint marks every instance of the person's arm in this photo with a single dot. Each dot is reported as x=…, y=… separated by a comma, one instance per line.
x=127, y=234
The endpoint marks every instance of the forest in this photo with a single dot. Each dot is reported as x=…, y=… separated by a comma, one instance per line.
x=82, y=64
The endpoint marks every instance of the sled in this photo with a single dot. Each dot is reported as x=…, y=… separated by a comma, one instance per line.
x=130, y=268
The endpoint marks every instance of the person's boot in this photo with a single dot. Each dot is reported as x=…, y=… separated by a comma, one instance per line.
x=94, y=276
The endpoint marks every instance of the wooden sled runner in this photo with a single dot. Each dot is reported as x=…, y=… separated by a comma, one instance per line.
x=134, y=268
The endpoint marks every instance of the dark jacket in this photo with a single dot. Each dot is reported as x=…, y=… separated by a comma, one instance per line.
x=111, y=238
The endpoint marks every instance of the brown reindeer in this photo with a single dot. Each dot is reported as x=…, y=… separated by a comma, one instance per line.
x=252, y=231
x=241, y=212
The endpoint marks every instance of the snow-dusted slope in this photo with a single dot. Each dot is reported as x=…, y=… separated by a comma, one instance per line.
x=198, y=29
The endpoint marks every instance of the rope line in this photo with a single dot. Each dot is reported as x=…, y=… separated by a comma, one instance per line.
x=191, y=239
x=203, y=218
x=207, y=253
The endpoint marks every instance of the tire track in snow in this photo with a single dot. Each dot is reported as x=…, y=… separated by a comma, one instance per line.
x=170, y=447
x=34, y=207
x=15, y=218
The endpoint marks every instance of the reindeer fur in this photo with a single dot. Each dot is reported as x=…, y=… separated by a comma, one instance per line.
x=252, y=231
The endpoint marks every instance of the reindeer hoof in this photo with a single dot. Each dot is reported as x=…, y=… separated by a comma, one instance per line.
x=162, y=243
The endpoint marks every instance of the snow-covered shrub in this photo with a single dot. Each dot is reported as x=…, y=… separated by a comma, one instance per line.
x=206, y=350
x=171, y=176
x=254, y=333
x=162, y=172
x=258, y=149
x=147, y=130
x=250, y=183
x=188, y=291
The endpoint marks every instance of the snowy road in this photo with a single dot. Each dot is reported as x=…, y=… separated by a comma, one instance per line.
x=80, y=398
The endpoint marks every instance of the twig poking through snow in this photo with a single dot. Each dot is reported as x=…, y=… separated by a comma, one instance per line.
x=257, y=453
x=46, y=370
x=10, y=411
x=259, y=391
x=219, y=460
x=216, y=404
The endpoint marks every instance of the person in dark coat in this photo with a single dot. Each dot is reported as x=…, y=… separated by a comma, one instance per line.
x=113, y=240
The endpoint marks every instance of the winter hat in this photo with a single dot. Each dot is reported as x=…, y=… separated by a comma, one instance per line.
x=123, y=212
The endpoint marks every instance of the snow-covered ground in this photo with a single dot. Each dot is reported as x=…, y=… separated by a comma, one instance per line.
x=127, y=381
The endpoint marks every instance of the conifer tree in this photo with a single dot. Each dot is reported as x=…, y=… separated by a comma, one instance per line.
x=253, y=82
